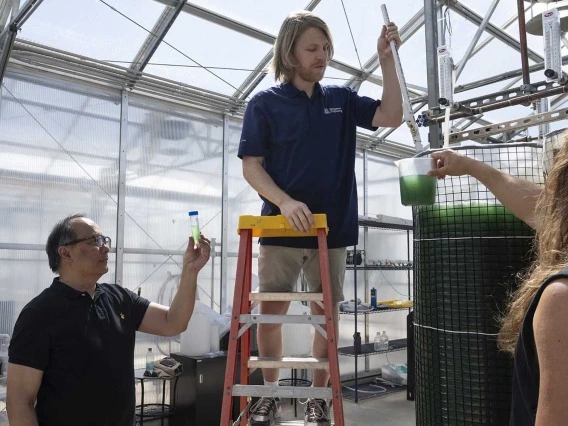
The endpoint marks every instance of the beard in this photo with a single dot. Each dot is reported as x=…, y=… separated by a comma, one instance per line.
x=312, y=75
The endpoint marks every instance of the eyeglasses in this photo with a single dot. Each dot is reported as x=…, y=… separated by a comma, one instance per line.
x=100, y=240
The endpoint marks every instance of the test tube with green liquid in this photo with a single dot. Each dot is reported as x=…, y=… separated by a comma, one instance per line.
x=194, y=221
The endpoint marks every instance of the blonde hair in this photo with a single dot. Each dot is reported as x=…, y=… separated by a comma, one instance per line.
x=551, y=247
x=292, y=28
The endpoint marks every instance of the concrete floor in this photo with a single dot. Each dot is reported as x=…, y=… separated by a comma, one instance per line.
x=389, y=410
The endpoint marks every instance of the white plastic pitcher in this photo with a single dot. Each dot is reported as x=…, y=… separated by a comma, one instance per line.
x=416, y=187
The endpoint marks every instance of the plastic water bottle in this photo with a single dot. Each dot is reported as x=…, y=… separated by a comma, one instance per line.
x=384, y=341
x=149, y=361
x=374, y=297
x=194, y=221
x=377, y=342
x=357, y=343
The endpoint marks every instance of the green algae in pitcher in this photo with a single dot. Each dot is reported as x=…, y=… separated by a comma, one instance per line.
x=419, y=190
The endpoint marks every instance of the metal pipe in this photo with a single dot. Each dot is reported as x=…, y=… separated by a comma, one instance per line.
x=431, y=30
x=524, y=51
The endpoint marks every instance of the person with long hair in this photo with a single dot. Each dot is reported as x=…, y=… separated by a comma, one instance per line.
x=535, y=327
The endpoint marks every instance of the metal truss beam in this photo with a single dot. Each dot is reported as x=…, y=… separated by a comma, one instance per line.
x=502, y=100
x=254, y=78
x=384, y=147
x=255, y=33
x=494, y=79
x=507, y=126
x=159, y=31
x=8, y=35
x=558, y=101
x=6, y=7
x=476, y=38
x=495, y=31
x=490, y=38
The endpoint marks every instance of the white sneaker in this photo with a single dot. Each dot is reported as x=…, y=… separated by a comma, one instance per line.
x=265, y=411
x=316, y=413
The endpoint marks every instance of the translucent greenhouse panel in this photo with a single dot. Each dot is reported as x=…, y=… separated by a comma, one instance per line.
x=174, y=166
x=228, y=55
x=91, y=28
x=383, y=188
x=59, y=156
x=242, y=198
x=68, y=151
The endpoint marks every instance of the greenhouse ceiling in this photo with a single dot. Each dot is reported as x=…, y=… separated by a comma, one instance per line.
x=215, y=54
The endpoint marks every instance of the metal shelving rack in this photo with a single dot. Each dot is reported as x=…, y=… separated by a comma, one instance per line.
x=386, y=223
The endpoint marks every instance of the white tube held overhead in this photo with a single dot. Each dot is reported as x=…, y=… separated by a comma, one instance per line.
x=406, y=105
x=447, y=127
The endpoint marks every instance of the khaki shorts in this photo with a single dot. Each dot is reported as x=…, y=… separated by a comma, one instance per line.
x=279, y=269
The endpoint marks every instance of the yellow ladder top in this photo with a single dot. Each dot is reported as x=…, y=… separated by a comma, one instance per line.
x=278, y=226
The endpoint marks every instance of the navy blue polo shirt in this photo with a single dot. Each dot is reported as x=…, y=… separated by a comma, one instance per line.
x=308, y=145
x=85, y=348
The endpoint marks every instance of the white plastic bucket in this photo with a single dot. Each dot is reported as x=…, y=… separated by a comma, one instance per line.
x=195, y=341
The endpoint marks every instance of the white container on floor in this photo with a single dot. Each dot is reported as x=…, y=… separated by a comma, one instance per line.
x=195, y=341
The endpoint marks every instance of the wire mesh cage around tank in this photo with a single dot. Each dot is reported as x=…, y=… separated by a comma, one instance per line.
x=468, y=251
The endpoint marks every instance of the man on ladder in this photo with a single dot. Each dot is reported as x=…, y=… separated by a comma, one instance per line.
x=298, y=149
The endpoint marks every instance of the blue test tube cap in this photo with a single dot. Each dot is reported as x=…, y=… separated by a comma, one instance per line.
x=193, y=213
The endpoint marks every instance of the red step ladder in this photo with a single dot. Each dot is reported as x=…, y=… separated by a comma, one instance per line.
x=241, y=320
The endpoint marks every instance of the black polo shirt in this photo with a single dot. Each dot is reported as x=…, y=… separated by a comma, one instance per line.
x=308, y=145
x=85, y=348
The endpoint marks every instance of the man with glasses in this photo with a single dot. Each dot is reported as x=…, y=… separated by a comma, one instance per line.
x=71, y=359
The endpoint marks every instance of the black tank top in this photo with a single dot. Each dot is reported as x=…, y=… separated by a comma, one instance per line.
x=526, y=375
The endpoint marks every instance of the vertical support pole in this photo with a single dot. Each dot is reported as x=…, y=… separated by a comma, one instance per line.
x=543, y=129
x=213, y=266
x=120, y=211
x=526, y=87
x=224, y=217
x=431, y=29
x=365, y=245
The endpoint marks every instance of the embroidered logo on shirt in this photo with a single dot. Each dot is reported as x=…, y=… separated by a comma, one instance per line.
x=122, y=316
x=332, y=110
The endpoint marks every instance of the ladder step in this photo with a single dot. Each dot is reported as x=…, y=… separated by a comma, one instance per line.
x=288, y=362
x=282, y=391
x=282, y=319
x=286, y=297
